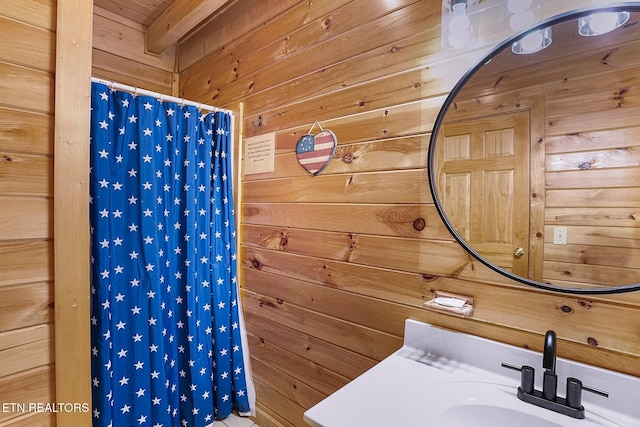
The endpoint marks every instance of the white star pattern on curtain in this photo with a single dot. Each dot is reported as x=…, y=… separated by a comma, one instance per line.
x=166, y=344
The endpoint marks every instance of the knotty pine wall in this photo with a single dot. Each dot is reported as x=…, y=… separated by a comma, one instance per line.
x=27, y=66
x=119, y=53
x=332, y=265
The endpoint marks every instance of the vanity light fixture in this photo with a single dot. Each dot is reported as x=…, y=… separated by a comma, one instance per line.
x=459, y=23
x=599, y=23
x=533, y=42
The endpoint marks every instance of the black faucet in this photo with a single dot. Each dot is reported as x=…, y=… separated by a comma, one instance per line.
x=548, y=397
x=550, y=379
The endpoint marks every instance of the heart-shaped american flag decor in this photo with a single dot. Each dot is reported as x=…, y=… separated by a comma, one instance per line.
x=314, y=152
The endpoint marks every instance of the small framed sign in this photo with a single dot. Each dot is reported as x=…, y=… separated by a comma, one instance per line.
x=259, y=153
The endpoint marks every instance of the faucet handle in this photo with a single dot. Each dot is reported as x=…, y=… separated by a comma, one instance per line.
x=574, y=392
x=526, y=379
x=549, y=353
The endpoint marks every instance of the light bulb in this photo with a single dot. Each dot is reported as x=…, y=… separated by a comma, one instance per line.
x=517, y=6
x=603, y=22
x=532, y=41
x=522, y=20
x=459, y=20
x=459, y=40
x=459, y=27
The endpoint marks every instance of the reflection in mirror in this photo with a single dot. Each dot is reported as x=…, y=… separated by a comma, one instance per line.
x=534, y=162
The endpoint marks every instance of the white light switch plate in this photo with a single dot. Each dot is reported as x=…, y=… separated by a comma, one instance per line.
x=559, y=235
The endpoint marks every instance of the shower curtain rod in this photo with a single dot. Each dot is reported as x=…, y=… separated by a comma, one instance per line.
x=158, y=95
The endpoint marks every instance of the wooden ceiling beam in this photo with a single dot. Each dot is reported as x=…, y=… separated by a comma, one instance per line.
x=179, y=19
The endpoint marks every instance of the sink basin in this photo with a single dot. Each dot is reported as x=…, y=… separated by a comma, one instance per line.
x=486, y=404
x=442, y=378
x=482, y=404
x=490, y=416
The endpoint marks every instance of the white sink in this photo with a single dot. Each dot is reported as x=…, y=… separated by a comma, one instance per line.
x=442, y=378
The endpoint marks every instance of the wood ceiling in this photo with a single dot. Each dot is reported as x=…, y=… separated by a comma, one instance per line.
x=167, y=21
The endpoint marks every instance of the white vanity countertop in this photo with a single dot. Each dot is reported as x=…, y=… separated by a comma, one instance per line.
x=399, y=391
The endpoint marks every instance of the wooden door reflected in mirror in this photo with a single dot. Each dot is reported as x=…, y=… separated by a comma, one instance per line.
x=483, y=184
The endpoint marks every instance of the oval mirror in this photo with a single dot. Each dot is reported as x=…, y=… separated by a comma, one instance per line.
x=534, y=161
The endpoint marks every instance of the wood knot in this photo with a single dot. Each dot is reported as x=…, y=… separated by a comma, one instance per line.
x=264, y=301
x=256, y=263
x=284, y=239
x=395, y=49
x=586, y=304
x=592, y=342
x=7, y=159
x=419, y=224
x=348, y=158
x=584, y=165
x=429, y=278
x=566, y=309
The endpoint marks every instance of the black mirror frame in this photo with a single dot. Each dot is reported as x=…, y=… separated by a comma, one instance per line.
x=631, y=7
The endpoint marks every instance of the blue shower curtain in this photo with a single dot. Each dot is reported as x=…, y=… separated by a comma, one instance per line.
x=166, y=341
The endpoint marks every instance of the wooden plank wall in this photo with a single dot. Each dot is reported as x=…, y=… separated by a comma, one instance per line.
x=27, y=66
x=119, y=54
x=332, y=265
